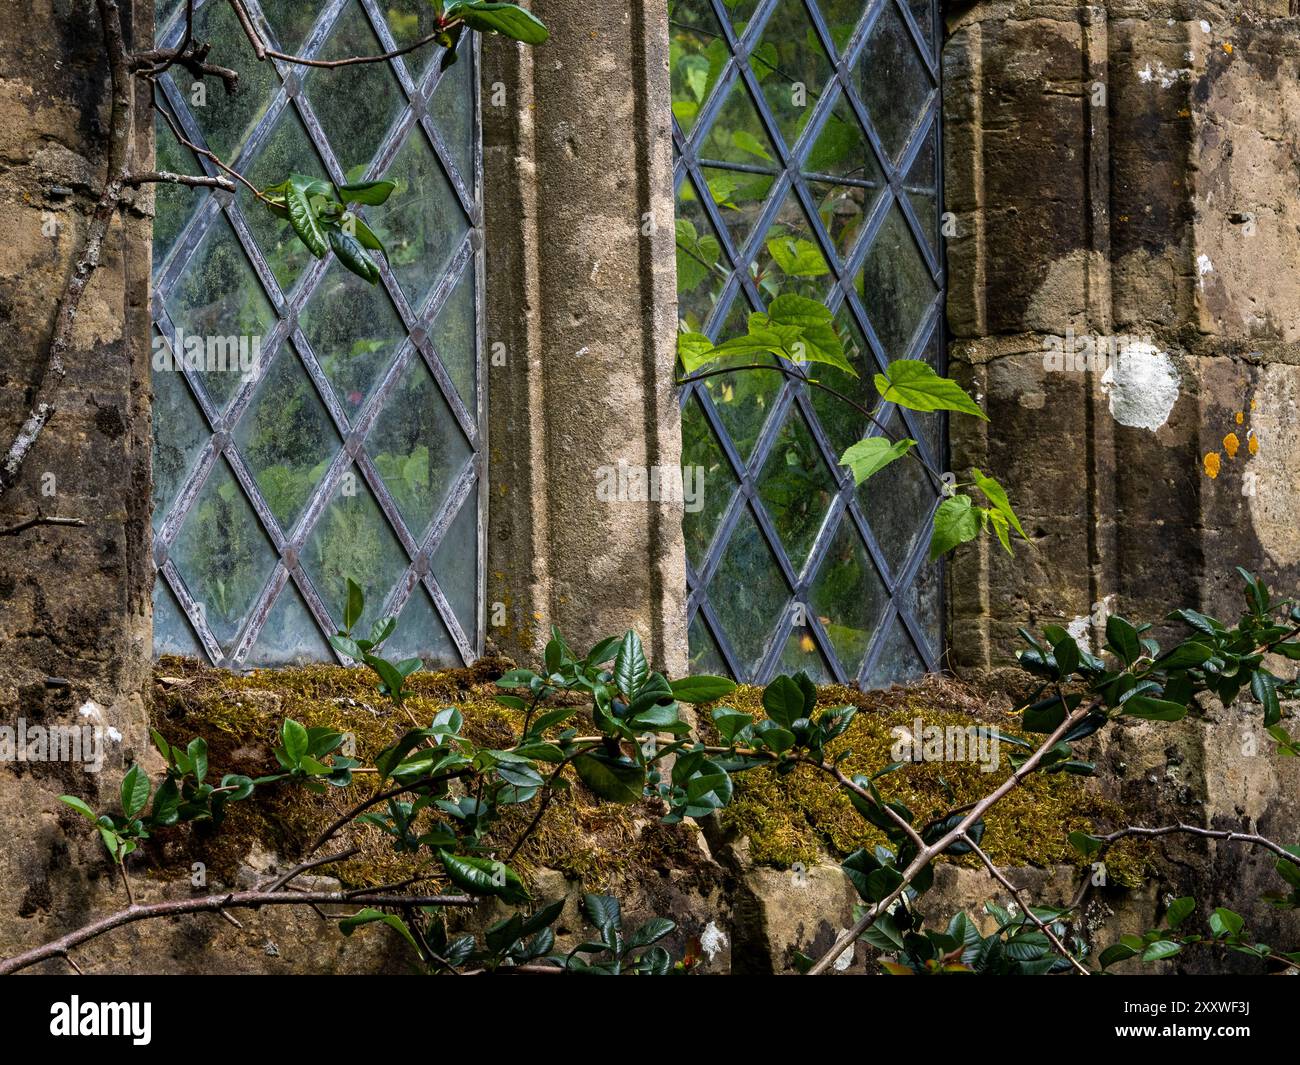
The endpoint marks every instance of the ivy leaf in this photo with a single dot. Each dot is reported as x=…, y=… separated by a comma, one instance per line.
x=371, y=193
x=872, y=455
x=352, y=255
x=509, y=20
x=294, y=737
x=913, y=384
x=997, y=495
x=303, y=218
x=955, y=522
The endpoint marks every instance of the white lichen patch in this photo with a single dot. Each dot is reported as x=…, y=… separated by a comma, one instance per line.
x=712, y=940
x=1142, y=386
x=1163, y=75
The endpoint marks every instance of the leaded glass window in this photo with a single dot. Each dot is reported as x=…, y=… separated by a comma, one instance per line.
x=319, y=428
x=807, y=140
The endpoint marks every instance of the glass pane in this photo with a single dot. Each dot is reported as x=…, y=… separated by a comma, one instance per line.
x=353, y=539
x=421, y=633
x=410, y=21
x=454, y=338
x=697, y=53
x=418, y=447
x=844, y=423
x=223, y=554
x=287, y=151
x=923, y=187
x=748, y=593
x=801, y=654
x=286, y=438
x=227, y=119
x=452, y=108
x=707, y=473
x=454, y=566
x=172, y=632
x=356, y=105
x=702, y=265
x=222, y=314
x=897, y=502
x=354, y=331
x=180, y=431
x=791, y=259
x=173, y=204
x=849, y=597
x=290, y=636
x=898, y=661
x=895, y=285
x=291, y=21
x=790, y=67
x=422, y=224
x=893, y=82
x=737, y=134
x=705, y=656
x=796, y=488
x=842, y=18
x=924, y=599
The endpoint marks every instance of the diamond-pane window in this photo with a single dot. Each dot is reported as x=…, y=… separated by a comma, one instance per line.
x=308, y=427
x=808, y=145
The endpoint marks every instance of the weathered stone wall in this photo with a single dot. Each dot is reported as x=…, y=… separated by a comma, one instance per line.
x=74, y=601
x=1129, y=170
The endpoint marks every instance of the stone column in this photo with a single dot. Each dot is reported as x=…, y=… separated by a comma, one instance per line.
x=581, y=326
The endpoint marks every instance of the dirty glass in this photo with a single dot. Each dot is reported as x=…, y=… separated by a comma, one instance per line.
x=807, y=145
x=310, y=428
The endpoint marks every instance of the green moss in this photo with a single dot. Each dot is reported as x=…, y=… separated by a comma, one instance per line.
x=803, y=816
x=800, y=817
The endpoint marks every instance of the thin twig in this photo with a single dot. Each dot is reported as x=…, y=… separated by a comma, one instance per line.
x=298, y=870
x=147, y=177
x=31, y=523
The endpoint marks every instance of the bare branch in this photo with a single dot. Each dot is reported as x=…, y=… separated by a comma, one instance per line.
x=148, y=177
x=59, y=948
x=297, y=870
x=31, y=523
x=1249, y=838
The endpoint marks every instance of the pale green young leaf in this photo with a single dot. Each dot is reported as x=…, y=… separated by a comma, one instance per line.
x=873, y=454
x=955, y=522
x=914, y=384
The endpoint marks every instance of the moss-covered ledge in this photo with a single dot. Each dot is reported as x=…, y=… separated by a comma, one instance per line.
x=779, y=821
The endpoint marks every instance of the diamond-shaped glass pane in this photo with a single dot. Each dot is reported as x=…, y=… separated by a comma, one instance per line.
x=748, y=593
x=737, y=134
x=227, y=120
x=410, y=21
x=290, y=20
x=796, y=488
x=355, y=105
x=173, y=204
x=287, y=151
x=791, y=67
x=801, y=654
x=290, y=636
x=898, y=502
x=898, y=661
x=924, y=600
x=791, y=259
x=454, y=120
x=893, y=81
x=423, y=223
x=848, y=596
x=353, y=540
x=174, y=452
x=845, y=423
x=454, y=566
x=842, y=18
x=697, y=54
x=420, y=632
x=896, y=285
x=286, y=438
x=923, y=12
x=417, y=446
x=707, y=476
x=454, y=338
x=739, y=197
x=702, y=265
x=354, y=331
x=222, y=314
x=705, y=656
x=743, y=401
x=223, y=554
x=172, y=632
x=923, y=187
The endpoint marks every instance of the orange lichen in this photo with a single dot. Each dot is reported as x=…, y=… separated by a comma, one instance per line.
x=1252, y=442
x=1212, y=462
x=1231, y=444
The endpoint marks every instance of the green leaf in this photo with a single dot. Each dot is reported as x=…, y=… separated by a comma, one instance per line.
x=615, y=780
x=371, y=193
x=630, y=666
x=483, y=876
x=509, y=20
x=352, y=255
x=1179, y=910
x=784, y=702
x=1119, y=952
x=955, y=522
x=1263, y=686
x=914, y=384
x=1085, y=844
x=997, y=495
x=872, y=455
x=79, y=805
x=1225, y=922
x=603, y=911
x=197, y=753
x=797, y=257
x=135, y=791
x=355, y=605
x=1122, y=638
x=701, y=689
x=695, y=350
x=303, y=218
x=1143, y=706
x=294, y=737
x=369, y=916
x=817, y=340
